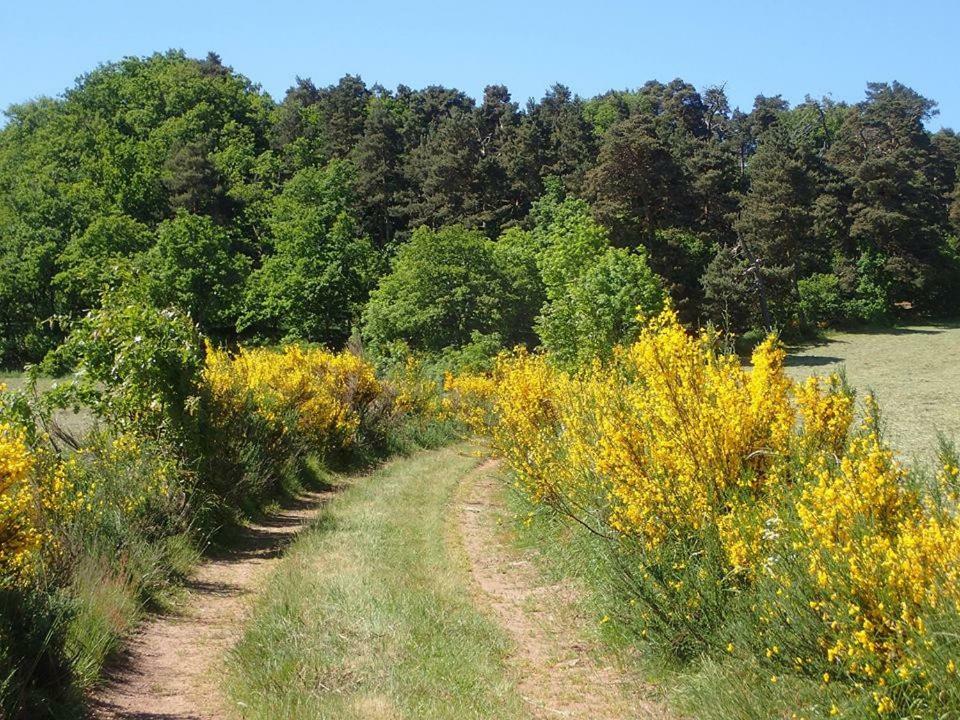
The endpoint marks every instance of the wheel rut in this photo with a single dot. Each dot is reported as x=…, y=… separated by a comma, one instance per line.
x=168, y=669
x=560, y=673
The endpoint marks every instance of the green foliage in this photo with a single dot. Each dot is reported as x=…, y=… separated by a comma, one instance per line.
x=290, y=238
x=517, y=253
x=136, y=366
x=569, y=239
x=312, y=285
x=681, y=258
x=90, y=261
x=730, y=290
x=192, y=268
x=872, y=298
x=85, y=179
x=899, y=203
x=27, y=262
x=820, y=299
x=601, y=307
x=594, y=293
x=637, y=183
x=444, y=286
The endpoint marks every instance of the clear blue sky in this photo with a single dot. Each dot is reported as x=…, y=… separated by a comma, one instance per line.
x=790, y=47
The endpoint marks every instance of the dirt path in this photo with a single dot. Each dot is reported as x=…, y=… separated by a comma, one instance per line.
x=168, y=670
x=560, y=676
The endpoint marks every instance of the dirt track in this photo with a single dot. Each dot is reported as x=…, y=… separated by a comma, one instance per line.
x=168, y=669
x=559, y=674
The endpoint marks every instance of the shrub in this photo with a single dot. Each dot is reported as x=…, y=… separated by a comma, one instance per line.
x=600, y=308
x=136, y=366
x=20, y=536
x=743, y=511
x=268, y=409
x=820, y=301
x=594, y=292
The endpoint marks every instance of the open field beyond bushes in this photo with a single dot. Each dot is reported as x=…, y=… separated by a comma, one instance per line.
x=914, y=372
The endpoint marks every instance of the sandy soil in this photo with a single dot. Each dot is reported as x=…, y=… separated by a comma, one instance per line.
x=560, y=674
x=168, y=670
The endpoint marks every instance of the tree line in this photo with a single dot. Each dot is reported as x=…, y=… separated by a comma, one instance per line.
x=434, y=221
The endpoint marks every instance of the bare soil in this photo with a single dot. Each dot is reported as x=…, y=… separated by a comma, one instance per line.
x=169, y=669
x=561, y=672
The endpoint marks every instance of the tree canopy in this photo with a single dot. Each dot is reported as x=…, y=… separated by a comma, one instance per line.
x=266, y=219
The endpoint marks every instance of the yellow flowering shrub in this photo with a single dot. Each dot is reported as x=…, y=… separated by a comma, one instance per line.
x=530, y=397
x=318, y=394
x=414, y=391
x=733, y=484
x=20, y=536
x=692, y=433
x=37, y=493
x=826, y=410
x=467, y=397
x=881, y=557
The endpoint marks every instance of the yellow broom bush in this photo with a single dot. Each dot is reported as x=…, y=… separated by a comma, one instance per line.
x=310, y=391
x=20, y=534
x=738, y=491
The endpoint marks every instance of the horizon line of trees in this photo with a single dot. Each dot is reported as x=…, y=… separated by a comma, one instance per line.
x=330, y=209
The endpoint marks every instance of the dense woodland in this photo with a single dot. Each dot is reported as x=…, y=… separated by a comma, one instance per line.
x=427, y=219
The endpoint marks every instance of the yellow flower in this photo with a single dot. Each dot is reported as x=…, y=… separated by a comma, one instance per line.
x=673, y=445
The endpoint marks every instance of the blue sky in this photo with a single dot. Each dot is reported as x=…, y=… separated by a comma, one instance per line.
x=793, y=48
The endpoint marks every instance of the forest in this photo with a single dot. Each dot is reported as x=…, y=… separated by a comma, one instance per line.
x=455, y=227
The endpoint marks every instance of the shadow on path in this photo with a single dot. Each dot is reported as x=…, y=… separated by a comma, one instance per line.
x=170, y=668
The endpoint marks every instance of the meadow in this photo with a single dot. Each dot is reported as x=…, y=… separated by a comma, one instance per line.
x=912, y=370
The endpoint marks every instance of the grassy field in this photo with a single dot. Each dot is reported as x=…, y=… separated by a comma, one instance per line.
x=914, y=372
x=368, y=616
x=76, y=424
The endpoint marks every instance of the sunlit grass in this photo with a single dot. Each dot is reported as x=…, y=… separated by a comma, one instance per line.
x=369, y=615
x=913, y=371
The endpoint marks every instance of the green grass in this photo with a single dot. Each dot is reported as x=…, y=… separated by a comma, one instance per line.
x=370, y=614
x=913, y=371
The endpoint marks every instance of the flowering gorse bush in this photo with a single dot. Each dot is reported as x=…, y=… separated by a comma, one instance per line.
x=20, y=536
x=45, y=499
x=745, y=510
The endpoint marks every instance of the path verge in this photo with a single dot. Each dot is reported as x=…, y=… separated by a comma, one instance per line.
x=168, y=670
x=561, y=674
